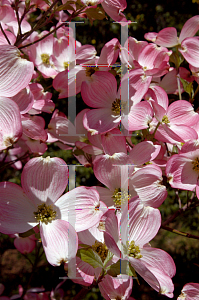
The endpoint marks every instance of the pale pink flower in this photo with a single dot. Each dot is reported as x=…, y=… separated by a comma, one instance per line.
x=24, y=244
x=115, y=173
x=118, y=287
x=10, y=123
x=24, y=100
x=69, y=83
x=175, y=122
x=39, y=202
x=42, y=100
x=114, y=9
x=138, y=226
x=182, y=171
x=189, y=45
x=41, y=54
x=190, y=291
x=6, y=12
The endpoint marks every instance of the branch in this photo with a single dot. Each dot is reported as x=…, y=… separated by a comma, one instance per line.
x=37, y=26
x=82, y=293
x=180, y=211
x=18, y=20
x=30, y=44
x=26, y=155
x=7, y=39
x=185, y=234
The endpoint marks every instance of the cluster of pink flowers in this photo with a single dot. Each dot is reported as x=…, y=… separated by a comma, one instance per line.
x=101, y=233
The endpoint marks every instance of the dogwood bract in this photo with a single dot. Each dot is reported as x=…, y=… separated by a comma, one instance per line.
x=39, y=202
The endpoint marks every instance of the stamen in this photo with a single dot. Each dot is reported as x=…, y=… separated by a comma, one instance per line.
x=133, y=250
x=120, y=197
x=165, y=120
x=91, y=70
x=101, y=250
x=196, y=164
x=118, y=105
x=45, y=213
x=45, y=58
x=66, y=65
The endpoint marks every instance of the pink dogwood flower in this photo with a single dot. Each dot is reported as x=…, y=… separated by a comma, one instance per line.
x=10, y=123
x=189, y=45
x=175, y=122
x=154, y=265
x=39, y=202
x=190, y=291
x=182, y=171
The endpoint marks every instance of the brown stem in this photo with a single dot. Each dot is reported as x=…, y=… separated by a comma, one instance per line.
x=73, y=15
x=5, y=34
x=185, y=234
x=181, y=211
x=82, y=293
x=18, y=20
x=37, y=26
x=41, y=38
x=26, y=155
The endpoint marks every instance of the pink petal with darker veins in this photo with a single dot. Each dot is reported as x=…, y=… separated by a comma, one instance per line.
x=59, y=240
x=190, y=28
x=16, y=210
x=44, y=179
x=190, y=50
x=81, y=207
x=10, y=123
x=100, y=120
x=15, y=67
x=166, y=37
x=101, y=81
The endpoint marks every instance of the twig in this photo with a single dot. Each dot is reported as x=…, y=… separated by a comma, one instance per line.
x=18, y=20
x=185, y=234
x=179, y=90
x=42, y=38
x=181, y=211
x=7, y=39
x=82, y=293
x=37, y=26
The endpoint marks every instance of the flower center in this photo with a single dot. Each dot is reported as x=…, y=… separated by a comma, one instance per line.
x=196, y=164
x=45, y=213
x=120, y=197
x=91, y=70
x=182, y=296
x=84, y=139
x=45, y=58
x=66, y=65
x=133, y=250
x=101, y=250
x=8, y=141
x=118, y=105
x=165, y=120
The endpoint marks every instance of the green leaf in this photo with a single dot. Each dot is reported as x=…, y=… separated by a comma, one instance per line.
x=95, y=13
x=27, y=3
x=188, y=87
x=120, y=267
x=65, y=6
x=78, y=152
x=177, y=59
x=47, y=2
x=91, y=257
x=132, y=271
x=84, y=245
x=108, y=258
x=27, y=233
